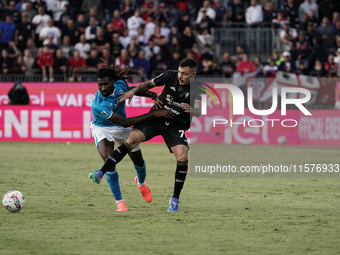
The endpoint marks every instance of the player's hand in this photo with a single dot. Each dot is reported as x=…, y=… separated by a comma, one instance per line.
x=163, y=113
x=186, y=107
x=157, y=102
x=127, y=95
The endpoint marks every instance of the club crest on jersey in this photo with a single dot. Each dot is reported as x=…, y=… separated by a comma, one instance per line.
x=169, y=98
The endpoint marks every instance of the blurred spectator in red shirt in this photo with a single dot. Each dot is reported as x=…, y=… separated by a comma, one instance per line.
x=195, y=51
x=46, y=61
x=245, y=65
x=159, y=39
x=330, y=66
x=124, y=60
x=148, y=7
x=118, y=23
x=76, y=63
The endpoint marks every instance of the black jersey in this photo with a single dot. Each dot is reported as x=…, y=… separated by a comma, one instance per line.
x=173, y=95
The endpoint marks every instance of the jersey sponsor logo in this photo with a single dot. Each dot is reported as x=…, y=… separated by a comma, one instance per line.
x=172, y=110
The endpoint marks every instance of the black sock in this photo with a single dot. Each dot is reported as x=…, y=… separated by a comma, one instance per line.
x=181, y=173
x=116, y=157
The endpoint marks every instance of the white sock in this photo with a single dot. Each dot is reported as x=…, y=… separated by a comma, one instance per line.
x=117, y=201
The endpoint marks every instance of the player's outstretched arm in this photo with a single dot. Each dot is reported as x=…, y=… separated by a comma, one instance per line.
x=149, y=94
x=128, y=122
x=145, y=86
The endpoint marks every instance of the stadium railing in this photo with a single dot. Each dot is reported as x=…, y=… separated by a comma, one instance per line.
x=259, y=41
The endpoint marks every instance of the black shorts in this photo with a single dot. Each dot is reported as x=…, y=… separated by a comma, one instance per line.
x=172, y=135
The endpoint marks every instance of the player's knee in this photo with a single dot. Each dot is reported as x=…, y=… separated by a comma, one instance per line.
x=182, y=157
x=133, y=140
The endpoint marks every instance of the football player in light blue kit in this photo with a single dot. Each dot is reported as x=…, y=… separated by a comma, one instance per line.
x=110, y=125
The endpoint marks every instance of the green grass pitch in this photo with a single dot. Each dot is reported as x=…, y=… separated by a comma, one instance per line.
x=67, y=214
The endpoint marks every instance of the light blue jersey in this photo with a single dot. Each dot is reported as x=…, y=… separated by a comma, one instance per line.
x=103, y=107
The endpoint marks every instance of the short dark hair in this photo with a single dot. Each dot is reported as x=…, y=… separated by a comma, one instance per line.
x=188, y=62
x=106, y=72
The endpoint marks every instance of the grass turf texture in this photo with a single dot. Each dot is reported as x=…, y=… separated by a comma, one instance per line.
x=66, y=213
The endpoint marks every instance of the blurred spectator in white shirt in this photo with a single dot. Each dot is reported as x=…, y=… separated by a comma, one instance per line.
x=134, y=23
x=91, y=30
x=337, y=104
x=306, y=6
x=149, y=28
x=50, y=32
x=254, y=14
x=288, y=36
x=209, y=11
x=165, y=31
x=58, y=8
x=125, y=39
x=83, y=47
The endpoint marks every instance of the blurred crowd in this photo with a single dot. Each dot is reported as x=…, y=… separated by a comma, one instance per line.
x=79, y=36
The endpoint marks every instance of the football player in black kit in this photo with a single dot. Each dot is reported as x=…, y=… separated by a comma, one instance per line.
x=183, y=99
